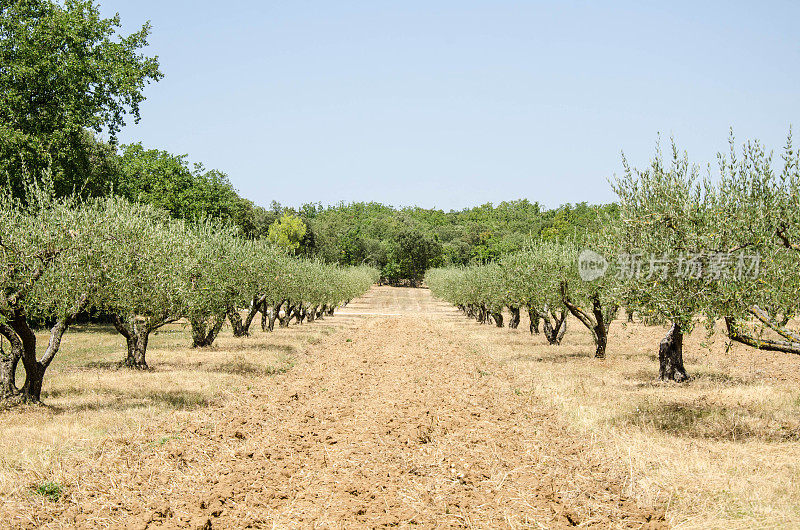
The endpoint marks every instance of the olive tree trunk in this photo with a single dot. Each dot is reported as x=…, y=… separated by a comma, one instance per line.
x=137, y=336
x=235, y=318
x=554, y=325
x=23, y=348
x=288, y=313
x=273, y=315
x=205, y=331
x=533, y=316
x=597, y=322
x=513, y=322
x=498, y=318
x=241, y=327
x=9, y=360
x=670, y=356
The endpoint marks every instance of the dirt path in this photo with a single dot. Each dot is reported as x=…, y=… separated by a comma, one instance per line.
x=390, y=420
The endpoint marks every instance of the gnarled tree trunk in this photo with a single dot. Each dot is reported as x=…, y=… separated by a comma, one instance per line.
x=235, y=318
x=273, y=315
x=483, y=314
x=204, y=332
x=241, y=327
x=8, y=363
x=597, y=322
x=498, y=319
x=137, y=336
x=288, y=313
x=670, y=356
x=533, y=316
x=23, y=348
x=554, y=330
x=513, y=322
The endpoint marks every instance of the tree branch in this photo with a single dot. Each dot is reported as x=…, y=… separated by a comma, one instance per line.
x=784, y=237
x=778, y=328
x=736, y=334
x=58, y=330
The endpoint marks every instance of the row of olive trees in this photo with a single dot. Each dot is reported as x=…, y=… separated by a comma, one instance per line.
x=684, y=249
x=542, y=280
x=60, y=257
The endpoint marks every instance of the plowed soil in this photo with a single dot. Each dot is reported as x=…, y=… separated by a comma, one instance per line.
x=391, y=420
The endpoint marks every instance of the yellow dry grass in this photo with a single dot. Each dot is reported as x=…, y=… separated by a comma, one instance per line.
x=88, y=398
x=722, y=451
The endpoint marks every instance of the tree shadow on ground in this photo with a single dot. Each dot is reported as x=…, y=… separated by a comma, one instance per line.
x=700, y=419
x=556, y=359
x=649, y=378
x=116, y=400
x=287, y=349
x=241, y=366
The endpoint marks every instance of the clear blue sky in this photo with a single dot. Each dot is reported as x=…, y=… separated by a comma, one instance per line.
x=457, y=103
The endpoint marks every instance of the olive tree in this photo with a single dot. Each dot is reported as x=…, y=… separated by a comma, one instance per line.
x=256, y=264
x=149, y=287
x=210, y=279
x=534, y=276
x=589, y=291
x=760, y=208
x=60, y=257
x=43, y=246
x=682, y=250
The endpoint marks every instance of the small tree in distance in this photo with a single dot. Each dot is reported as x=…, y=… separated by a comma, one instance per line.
x=287, y=232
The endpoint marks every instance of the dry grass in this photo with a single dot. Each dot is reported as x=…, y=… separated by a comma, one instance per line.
x=722, y=451
x=89, y=399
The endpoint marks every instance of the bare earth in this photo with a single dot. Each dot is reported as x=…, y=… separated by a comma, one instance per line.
x=393, y=419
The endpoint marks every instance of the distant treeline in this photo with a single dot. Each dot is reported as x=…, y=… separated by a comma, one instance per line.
x=404, y=242
x=401, y=242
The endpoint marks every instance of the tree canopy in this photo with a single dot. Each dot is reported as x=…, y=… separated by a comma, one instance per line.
x=64, y=70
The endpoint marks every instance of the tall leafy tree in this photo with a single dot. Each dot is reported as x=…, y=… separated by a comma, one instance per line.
x=187, y=192
x=64, y=70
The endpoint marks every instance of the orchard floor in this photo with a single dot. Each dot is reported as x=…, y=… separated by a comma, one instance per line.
x=399, y=411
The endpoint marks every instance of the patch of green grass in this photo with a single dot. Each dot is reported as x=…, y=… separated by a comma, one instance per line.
x=275, y=370
x=165, y=439
x=50, y=490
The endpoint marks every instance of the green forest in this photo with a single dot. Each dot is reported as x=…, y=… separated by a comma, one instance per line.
x=401, y=242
